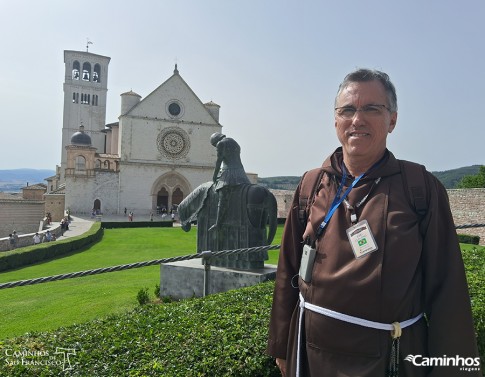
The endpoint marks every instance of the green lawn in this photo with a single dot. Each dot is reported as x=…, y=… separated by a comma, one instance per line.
x=48, y=306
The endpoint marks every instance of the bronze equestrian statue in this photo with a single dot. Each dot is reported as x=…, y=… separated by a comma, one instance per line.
x=231, y=213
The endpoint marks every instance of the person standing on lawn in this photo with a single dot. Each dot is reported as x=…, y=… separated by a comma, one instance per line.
x=366, y=286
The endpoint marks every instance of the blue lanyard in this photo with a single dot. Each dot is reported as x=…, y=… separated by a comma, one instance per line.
x=338, y=199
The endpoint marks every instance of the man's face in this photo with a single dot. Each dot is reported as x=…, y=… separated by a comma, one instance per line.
x=364, y=135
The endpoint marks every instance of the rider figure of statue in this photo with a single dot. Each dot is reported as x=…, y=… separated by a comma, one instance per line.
x=229, y=172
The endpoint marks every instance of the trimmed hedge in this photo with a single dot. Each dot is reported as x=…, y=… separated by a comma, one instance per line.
x=468, y=239
x=49, y=250
x=136, y=224
x=219, y=335
x=474, y=261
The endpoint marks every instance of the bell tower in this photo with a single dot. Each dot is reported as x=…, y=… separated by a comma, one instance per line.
x=85, y=92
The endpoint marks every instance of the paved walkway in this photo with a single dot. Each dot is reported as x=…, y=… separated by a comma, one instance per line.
x=77, y=227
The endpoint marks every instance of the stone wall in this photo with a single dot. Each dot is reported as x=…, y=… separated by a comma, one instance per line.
x=284, y=198
x=24, y=216
x=468, y=207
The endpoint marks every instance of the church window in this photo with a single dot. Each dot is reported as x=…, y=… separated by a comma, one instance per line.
x=174, y=109
x=85, y=98
x=97, y=73
x=86, y=71
x=80, y=163
x=75, y=70
x=173, y=143
x=95, y=100
x=75, y=97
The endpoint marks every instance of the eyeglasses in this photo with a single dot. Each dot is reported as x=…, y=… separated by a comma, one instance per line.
x=348, y=112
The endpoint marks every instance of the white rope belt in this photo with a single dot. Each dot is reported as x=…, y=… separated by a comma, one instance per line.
x=346, y=318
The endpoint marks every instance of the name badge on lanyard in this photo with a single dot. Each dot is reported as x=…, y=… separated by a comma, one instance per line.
x=361, y=239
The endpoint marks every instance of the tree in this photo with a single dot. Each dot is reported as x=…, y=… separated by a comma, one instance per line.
x=474, y=181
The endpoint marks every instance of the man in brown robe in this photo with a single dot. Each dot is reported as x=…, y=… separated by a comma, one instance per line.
x=393, y=266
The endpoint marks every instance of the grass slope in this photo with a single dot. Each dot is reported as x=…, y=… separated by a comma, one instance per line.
x=47, y=306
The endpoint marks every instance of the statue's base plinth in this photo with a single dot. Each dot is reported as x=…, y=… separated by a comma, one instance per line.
x=186, y=279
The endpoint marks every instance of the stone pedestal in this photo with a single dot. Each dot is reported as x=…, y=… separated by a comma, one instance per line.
x=186, y=279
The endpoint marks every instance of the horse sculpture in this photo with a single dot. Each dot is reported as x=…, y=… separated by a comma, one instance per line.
x=250, y=209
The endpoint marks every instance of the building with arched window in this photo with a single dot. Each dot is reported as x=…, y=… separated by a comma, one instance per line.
x=150, y=160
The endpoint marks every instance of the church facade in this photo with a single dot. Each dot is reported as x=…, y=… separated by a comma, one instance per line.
x=152, y=158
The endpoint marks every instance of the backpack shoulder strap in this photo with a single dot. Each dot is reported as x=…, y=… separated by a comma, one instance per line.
x=414, y=180
x=308, y=188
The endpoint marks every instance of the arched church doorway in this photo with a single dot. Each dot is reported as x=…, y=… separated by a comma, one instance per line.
x=177, y=196
x=168, y=192
x=162, y=199
x=97, y=206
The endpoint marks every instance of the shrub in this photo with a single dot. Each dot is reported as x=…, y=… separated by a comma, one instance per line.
x=142, y=296
x=474, y=260
x=219, y=335
x=468, y=239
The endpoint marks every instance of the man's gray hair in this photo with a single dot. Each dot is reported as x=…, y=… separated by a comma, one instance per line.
x=362, y=75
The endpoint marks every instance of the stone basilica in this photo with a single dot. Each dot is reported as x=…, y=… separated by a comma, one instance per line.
x=155, y=155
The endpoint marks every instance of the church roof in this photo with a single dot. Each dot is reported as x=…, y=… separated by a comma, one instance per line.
x=174, y=81
x=37, y=186
x=131, y=93
x=81, y=138
x=61, y=190
x=210, y=103
x=114, y=124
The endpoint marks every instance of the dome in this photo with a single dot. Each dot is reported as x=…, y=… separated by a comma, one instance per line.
x=81, y=138
x=130, y=93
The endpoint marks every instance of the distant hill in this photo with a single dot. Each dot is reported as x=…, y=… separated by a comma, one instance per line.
x=14, y=179
x=280, y=183
x=449, y=178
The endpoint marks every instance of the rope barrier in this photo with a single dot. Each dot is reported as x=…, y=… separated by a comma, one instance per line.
x=204, y=254
x=469, y=226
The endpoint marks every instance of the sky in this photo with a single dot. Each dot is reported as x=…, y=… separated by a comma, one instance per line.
x=273, y=66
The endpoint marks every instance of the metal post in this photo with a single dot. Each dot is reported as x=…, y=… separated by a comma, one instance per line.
x=206, y=261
